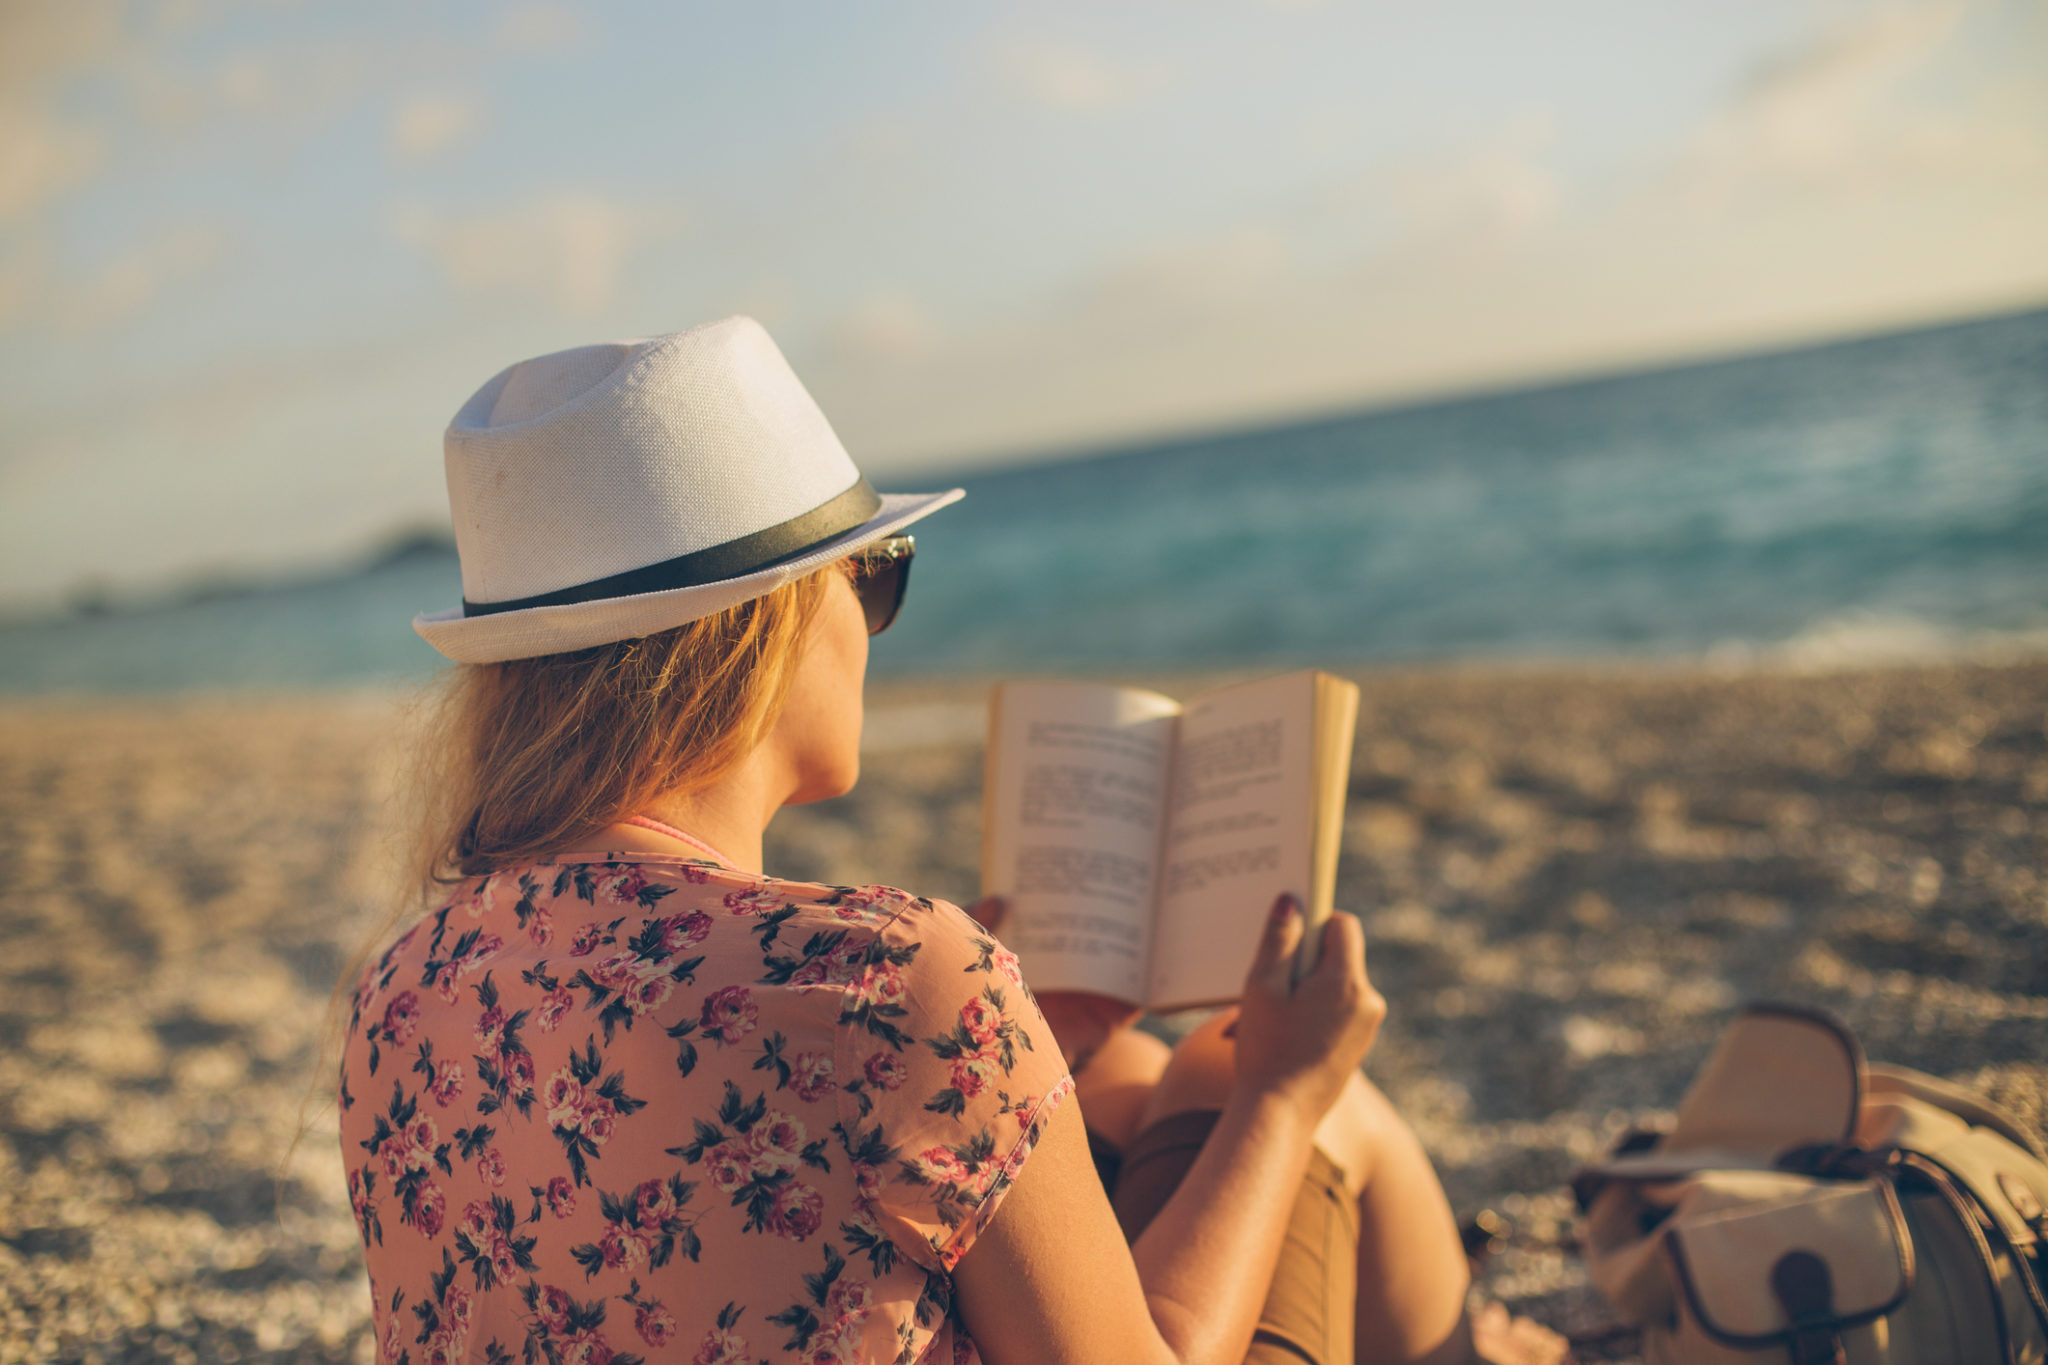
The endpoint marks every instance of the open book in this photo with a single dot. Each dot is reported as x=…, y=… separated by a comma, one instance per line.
x=1140, y=842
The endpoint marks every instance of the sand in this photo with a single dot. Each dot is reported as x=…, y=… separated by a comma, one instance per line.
x=1568, y=879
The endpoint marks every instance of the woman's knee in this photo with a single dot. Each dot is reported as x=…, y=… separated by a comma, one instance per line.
x=1356, y=1129
x=1201, y=1071
x=1200, y=1075
x=1117, y=1081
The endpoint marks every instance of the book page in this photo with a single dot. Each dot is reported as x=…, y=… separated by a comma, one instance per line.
x=1072, y=810
x=1239, y=833
x=1336, y=728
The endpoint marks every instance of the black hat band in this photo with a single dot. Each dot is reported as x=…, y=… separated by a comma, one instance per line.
x=750, y=553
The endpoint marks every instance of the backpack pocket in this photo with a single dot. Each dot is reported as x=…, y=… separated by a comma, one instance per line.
x=1791, y=1277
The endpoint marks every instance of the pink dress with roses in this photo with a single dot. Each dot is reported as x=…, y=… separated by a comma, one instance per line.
x=655, y=1109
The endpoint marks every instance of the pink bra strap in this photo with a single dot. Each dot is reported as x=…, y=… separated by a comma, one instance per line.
x=647, y=822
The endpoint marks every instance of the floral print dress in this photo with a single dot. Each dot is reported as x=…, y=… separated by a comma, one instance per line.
x=651, y=1108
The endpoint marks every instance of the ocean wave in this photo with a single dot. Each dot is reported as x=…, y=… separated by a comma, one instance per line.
x=1861, y=638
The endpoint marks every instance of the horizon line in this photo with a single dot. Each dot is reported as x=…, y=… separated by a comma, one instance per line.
x=91, y=595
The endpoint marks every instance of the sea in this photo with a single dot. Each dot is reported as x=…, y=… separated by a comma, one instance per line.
x=1869, y=500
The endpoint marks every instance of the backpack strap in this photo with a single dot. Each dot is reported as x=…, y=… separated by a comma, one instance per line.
x=1936, y=1176
x=1982, y=1229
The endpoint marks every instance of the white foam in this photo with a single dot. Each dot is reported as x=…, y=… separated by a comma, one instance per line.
x=1860, y=638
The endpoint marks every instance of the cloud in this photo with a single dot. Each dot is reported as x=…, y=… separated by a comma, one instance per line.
x=40, y=158
x=286, y=87
x=131, y=282
x=23, y=276
x=428, y=124
x=569, y=248
x=1834, y=108
x=1169, y=279
x=887, y=323
x=42, y=154
x=1494, y=191
x=1069, y=78
x=1887, y=173
x=30, y=287
x=184, y=478
x=537, y=28
x=46, y=42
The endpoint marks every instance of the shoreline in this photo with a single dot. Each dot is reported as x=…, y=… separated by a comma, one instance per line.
x=1569, y=876
x=1732, y=659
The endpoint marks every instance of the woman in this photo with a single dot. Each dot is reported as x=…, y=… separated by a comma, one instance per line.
x=622, y=1096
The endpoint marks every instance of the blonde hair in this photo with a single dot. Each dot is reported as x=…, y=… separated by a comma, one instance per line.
x=519, y=759
x=533, y=755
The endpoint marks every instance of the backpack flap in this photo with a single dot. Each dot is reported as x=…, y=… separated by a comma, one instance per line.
x=1884, y=1082
x=1624, y=1230
x=2008, y=1182
x=1781, y=1076
x=1795, y=1271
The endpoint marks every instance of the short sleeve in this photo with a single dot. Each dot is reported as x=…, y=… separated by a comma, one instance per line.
x=952, y=1075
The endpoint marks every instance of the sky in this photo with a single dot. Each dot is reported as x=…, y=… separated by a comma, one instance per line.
x=254, y=255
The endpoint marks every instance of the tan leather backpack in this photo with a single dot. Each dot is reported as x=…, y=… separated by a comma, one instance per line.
x=1807, y=1208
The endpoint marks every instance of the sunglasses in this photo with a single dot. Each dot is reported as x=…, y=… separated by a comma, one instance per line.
x=880, y=573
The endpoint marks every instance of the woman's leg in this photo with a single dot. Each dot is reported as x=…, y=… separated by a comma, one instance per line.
x=1412, y=1271
x=1116, y=1082
x=1412, y=1274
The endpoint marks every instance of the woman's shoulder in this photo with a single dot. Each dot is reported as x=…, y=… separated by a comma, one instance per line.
x=648, y=881
x=628, y=929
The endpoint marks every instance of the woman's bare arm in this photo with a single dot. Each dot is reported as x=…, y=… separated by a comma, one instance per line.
x=1051, y=1278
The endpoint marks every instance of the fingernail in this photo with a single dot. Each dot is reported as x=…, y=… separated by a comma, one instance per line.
x=1283, y=908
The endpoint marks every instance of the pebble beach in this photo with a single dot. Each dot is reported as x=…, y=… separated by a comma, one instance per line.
x=1569, y=879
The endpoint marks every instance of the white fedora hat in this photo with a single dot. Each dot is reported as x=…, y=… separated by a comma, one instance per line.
x=613, y=491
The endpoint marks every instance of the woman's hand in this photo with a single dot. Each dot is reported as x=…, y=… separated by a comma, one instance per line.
x=1080, y=1020
x=1303, y=1040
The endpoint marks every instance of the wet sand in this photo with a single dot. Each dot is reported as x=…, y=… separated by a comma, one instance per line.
x=1568, y=880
